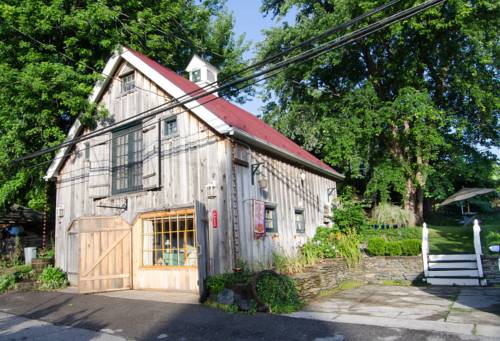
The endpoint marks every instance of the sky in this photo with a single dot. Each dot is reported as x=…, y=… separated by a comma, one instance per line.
x=250, y=21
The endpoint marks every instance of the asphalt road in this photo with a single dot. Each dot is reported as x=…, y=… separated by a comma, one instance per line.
x=148, y=320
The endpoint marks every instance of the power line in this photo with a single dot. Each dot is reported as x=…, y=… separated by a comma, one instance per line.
x=262, y=62
x=146, y=125
x=305, y=56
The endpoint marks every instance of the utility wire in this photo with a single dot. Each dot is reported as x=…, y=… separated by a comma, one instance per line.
x=305, y=56
x=256, y=65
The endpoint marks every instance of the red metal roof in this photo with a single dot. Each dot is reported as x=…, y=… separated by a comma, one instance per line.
x=235, y=116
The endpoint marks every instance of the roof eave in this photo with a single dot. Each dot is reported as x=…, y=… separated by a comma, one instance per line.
x=266, y=146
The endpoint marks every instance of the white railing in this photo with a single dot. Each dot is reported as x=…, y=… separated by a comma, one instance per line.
x=425, y=249
x=477, y=247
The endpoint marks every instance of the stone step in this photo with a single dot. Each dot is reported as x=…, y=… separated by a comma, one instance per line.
x=457, y=257
x=453, y=265
x=453, y=273
x=453, y=281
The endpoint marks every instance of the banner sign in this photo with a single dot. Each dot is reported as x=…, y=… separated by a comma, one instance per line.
x=259, y=208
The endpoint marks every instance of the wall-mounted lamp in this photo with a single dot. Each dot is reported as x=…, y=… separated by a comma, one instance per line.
x=211, y=191
x=255, y=170
x=263, y=183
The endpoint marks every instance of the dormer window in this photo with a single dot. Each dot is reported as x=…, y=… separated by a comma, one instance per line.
x=196, y=75
x=128, y=82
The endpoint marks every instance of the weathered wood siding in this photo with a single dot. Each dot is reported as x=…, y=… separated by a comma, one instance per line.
x=287, y=192
x=177, y=171
x=192, y=159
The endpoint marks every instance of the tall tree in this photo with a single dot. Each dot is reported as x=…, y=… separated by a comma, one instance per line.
x=402, y=112
x=51, y=53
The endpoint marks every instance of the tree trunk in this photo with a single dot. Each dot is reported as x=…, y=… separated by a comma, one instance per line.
x=419, y=206
x=409, y=200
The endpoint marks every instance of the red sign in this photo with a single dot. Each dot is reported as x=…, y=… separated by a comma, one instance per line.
x=215, y=219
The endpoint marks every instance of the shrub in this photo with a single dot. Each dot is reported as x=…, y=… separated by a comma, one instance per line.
x=216, y=283
x=376, y=246
x=393, y=248
x=278, y=292
x=388, y=214
x=492, y=238
x=411, y=247
x=7, y=281
x=325, y=241
x=350, y=216
x=52, y=278
x=348, y=248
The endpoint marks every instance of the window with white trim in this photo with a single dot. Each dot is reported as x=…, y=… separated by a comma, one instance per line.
x=128, y=82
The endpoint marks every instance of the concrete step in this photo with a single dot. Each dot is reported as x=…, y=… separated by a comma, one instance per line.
x=453, y=265
x=452, y=258
x=453, y=273
x=453, y=281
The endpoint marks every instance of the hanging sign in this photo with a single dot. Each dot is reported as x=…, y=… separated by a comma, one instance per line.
x=215, y=219
x=259, y=218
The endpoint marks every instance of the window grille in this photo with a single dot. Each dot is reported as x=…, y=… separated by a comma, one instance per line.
x=270, y=219
x=128, y=82
x=300, y=226
x=127, y=160
x=169, y=239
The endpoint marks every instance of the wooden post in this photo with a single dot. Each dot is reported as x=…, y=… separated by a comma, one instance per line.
x=477, y=247
x=425, y=249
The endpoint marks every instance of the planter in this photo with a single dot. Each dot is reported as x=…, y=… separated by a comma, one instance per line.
x=39, y=264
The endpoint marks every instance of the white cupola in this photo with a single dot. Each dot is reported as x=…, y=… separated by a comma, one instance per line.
x=202, y=72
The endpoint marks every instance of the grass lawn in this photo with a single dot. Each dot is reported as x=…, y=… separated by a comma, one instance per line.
x=449, y=237
x=445, y=235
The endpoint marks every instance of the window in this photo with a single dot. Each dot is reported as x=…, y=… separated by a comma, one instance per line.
x=170, y=240
x=196, y=75
x=170, y=126
x=126, y=165
x=128, y=82
x=300, y=226
x=270, y=219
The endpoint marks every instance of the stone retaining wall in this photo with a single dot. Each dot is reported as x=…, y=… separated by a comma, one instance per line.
x=491, y=270
x=332, y=272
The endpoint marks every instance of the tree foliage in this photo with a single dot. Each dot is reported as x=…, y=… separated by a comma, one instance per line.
x=405, y=113
x=51, y=53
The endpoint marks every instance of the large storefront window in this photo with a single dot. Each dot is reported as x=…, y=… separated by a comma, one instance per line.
x=170, y=240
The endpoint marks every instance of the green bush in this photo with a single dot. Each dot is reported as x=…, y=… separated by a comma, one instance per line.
x=393, y=248
x=7, y=281
x=350, y=216
x=376, y=246
x=52, y=278
x=348, y=248
x=216, y=283
x=411, y=247
x=492, y=238
x=278, y=292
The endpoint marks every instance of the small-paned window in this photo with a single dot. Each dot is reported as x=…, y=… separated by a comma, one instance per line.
x=300, y=226
x=126, y=165
x=170, y=240
x=270, y=219
x=170, y=126
x=128, y=82
x=196, y=75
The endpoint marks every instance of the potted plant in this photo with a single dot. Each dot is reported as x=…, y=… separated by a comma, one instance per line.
x=44, y=259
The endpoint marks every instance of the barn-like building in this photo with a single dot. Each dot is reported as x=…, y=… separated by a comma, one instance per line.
x=161, y=198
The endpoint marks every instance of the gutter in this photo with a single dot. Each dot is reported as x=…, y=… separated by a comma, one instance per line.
x=266, y=146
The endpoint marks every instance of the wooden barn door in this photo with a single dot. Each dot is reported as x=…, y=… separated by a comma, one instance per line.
x=105, y=256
